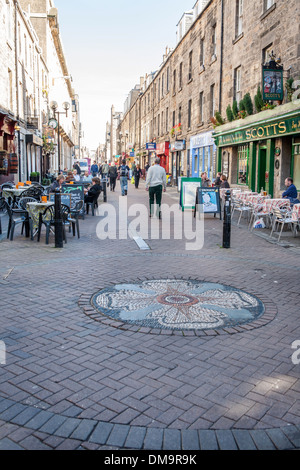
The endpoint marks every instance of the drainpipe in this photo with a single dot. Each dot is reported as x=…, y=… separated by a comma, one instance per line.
x=17, y=85
x=221, y=56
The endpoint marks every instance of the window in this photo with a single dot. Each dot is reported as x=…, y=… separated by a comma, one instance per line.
x=25, y=47
x=20, y=39
x=174, y=118
x=202, y=52
x=174, y=82
x=239, y=18
x=180, y=76
x=179, y=115
x=158, y=94
x=190, y=114
x=167, y=120
x=268, y=4
x=10, y=88
x=214, y=41
x=168, y=79
x=267, y=51
x=9, y=20
x=162, y=86
x=158, y=125
x=212, y=100
x=190, y=76
x=201, y=107
x=243, y=155
x=237, y=84
x=162, y=123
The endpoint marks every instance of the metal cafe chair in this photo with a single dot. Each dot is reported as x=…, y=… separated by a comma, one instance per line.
x=281, y=217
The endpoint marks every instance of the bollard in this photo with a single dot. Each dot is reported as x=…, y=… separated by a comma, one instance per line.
x=227, y=221
x=58, y=222
x=104, y=187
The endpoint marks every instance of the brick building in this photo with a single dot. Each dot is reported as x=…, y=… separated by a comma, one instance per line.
x=217, y=62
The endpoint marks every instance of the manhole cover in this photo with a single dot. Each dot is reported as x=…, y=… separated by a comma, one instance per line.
x=178, y=305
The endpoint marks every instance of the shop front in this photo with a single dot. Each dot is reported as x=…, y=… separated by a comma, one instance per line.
x=163, y=152
x=261, y=151
x=9, y=164
x=177, y=160
x=203, y=154
x=34, y=146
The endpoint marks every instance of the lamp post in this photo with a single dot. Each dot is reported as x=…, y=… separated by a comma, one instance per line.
x=54, y=107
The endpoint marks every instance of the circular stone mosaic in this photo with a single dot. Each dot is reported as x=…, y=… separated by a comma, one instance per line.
x=178, y=305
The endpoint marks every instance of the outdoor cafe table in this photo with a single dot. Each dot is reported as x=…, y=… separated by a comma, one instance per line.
x=258, y=199
x=296, y=212
x=244, y=195
x=34, y=210
x=270, y=204
x=13, y=193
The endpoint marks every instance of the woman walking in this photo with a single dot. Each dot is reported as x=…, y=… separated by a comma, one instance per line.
x=137, y=175
x=113, y=174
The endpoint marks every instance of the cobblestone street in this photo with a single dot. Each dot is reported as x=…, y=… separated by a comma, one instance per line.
x=75, y=379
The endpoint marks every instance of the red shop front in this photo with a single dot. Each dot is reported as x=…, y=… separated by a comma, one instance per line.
x=163, y=152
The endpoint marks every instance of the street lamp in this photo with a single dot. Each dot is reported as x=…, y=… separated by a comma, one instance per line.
x=54, y=107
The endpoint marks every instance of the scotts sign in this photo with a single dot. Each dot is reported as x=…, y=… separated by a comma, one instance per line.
x=259, y=132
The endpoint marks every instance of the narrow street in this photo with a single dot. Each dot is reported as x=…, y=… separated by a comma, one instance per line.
x=75, y=378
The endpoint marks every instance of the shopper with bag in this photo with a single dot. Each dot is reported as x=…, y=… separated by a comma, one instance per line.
x=137, y=175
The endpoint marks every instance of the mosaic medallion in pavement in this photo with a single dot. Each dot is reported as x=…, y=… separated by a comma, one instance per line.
x=178, y=305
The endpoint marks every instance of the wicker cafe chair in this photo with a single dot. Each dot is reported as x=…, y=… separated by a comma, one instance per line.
x=16, y=217
x=34, y=192
x=74, y=216
x=48, y=219
x=93, y=204
x=22, y=204
x=3, y=210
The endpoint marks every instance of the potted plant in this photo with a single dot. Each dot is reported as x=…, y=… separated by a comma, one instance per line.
x=34, y=176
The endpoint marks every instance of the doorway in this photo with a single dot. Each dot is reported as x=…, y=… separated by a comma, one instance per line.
x=262, y=168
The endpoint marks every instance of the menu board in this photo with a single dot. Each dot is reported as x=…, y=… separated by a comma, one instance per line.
x=208, y=201
x=66, y=199
x=189, y=188
x=77, y=193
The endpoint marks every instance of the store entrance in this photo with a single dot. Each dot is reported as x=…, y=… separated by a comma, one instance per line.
x=262, y=168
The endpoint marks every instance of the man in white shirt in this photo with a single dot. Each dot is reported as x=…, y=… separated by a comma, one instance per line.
x=156, y=183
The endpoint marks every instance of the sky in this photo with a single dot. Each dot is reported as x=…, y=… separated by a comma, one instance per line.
x=108, y=46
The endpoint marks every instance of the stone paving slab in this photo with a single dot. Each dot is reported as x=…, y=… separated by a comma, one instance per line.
x=73, y=382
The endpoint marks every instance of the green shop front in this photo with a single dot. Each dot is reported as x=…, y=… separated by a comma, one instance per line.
x=262, y=150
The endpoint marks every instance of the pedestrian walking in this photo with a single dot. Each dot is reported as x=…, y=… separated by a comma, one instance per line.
x=156, y=183
x=94, y=169
x=124, y=174
x=113, y=174
x=137, y=175
x=105, y=169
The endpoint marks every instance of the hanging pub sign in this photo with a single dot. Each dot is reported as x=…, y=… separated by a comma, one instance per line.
x=273, y=80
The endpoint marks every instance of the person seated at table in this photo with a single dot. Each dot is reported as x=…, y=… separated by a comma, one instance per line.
x=87, y=178
x=224, y=182
x=92, y=191
x=218, y=181
x=69, y=177
x=291, y=191
x=76, y=176
x=206, y=183
x=58, y=183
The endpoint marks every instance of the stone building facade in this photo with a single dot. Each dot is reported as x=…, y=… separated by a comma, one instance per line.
x=217, y=61
x=33, y=73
